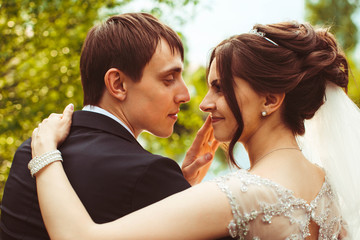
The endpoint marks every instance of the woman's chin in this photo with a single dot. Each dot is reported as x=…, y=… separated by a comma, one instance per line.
x=222, y=138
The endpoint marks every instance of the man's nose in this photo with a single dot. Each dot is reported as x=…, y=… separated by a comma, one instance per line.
x=183, y=95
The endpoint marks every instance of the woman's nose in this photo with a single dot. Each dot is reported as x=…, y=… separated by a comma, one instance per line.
x=207, y=105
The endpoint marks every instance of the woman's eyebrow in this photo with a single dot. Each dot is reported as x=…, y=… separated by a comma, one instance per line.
x=214, y=82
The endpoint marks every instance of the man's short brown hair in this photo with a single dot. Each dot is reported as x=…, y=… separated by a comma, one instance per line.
x=126, y=42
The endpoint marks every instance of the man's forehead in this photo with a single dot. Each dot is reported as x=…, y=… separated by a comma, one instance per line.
x=166, y=60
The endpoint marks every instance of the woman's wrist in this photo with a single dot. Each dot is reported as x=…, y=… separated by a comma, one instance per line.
x=41, y=147
x=39, y=162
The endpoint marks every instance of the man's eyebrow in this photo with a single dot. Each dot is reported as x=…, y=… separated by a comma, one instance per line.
x=173, y=69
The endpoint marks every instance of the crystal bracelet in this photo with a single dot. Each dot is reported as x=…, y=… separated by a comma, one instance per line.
x=38, y=163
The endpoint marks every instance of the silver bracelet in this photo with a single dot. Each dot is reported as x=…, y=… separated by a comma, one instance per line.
x=38, y=163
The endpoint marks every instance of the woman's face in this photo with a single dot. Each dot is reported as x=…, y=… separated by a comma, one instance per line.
x=223, y=120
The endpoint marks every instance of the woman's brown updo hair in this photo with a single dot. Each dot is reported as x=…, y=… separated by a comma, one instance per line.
x=298, y=62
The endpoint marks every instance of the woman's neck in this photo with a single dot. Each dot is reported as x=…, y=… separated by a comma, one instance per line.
x=268, y=139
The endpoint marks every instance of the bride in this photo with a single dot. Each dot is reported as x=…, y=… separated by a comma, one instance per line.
x=266, y=89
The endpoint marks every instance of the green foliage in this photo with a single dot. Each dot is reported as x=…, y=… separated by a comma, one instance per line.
x=39, y=62
x=354, y=82
x=339, y=15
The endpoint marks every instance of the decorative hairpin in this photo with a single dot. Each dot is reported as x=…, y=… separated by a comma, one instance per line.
x=262, y=34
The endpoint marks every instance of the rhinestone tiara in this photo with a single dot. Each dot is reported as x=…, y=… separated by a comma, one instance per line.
x=262, y=34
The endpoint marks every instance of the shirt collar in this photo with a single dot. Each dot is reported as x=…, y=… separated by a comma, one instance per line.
x=96, y=109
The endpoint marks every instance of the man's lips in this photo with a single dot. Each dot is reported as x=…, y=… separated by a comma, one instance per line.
x=173, y=116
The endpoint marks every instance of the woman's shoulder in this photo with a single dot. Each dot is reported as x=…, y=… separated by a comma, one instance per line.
x=246, y=191
x=248, y=182
x=257, y=200
x=244, y=181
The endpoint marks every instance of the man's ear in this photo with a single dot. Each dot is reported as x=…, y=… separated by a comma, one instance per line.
x=273, y=102
x=115, y=83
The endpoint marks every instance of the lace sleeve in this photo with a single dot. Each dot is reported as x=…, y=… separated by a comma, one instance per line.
x=263, y=209
x=243, y=196
x=233, y=229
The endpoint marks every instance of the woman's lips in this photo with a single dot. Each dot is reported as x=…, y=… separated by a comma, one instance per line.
x=216, y=119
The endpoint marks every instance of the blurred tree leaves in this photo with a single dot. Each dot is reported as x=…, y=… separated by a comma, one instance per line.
x=340, y=15
x=41, y=42
x=39, y=62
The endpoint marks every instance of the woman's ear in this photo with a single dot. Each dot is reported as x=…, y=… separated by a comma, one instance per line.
x=273, y=102
x=115, y=83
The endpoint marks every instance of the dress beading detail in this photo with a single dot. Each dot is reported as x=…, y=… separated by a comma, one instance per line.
x=286, y=205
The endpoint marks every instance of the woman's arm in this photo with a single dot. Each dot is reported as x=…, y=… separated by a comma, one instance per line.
x=201, y=212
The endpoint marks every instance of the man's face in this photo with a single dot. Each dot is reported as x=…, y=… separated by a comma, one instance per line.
x=152, y=103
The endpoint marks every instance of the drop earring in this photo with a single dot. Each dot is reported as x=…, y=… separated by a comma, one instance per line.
x=263, y=113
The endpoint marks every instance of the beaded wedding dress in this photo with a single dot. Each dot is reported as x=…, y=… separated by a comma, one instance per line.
x=263, y=209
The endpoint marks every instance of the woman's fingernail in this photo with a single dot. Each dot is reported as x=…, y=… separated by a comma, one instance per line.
x=71, y=106
x=208, y=156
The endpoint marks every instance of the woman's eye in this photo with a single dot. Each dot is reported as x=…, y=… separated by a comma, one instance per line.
x=216, y=87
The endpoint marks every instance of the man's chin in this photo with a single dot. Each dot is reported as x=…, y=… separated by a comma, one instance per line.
x=164, y=133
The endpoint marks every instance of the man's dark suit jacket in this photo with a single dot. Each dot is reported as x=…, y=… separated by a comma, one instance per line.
x=111, y=173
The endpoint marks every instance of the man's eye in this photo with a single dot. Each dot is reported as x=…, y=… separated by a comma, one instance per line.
x=169, y=79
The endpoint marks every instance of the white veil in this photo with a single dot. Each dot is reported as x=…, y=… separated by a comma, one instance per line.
x=332, y=140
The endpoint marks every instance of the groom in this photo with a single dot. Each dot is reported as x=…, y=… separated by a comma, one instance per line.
x=131, y=72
